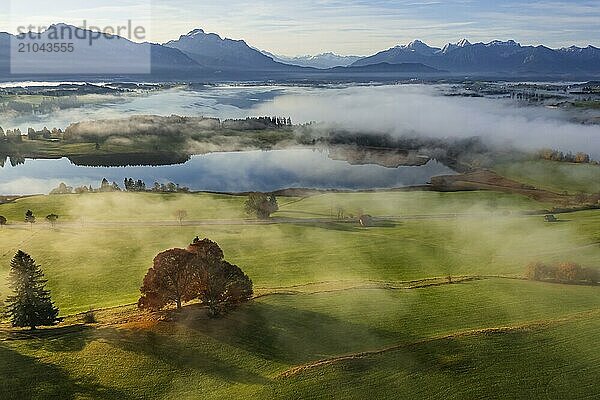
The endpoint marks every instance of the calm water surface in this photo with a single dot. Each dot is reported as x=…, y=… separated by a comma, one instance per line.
x=224, y=172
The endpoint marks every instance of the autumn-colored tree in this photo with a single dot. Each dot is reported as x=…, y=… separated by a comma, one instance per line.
x=198, y=272
x=206, y=249
x=569, y=272
x=582, y=158
x=538, y=271
x=169, y=281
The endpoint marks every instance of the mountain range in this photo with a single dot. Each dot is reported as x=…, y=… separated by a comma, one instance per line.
x=508, y=57
x=206, y=55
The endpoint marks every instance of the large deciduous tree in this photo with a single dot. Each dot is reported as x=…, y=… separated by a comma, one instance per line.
x=261, y=205
x=223, y=286
x=169, y=281
x=196, y=273
x=30, y=305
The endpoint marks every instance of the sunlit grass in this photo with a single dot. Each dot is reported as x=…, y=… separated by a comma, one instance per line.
x=347, y=307
x=554, y=176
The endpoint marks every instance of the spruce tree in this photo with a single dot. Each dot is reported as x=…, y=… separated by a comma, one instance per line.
x=29, y=217
x=30, y=306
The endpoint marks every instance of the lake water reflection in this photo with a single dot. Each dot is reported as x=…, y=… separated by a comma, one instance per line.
x=225, y=172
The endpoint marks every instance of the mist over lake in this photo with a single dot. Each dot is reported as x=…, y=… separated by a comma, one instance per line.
x=394, y=109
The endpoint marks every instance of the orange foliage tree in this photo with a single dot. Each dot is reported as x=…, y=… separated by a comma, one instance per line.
x=196, y=273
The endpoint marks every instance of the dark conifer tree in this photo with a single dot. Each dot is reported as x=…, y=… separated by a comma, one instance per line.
x=29, y=217
x=30, y=305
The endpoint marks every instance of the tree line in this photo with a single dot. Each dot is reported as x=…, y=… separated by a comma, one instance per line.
x=556, y=155
x=16, y=136
x=129, y=185
x=175, y=128
x=568, y=272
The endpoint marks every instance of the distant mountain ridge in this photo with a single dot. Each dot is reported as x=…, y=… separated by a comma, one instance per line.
x=200, y=55
x=496, y=56
x=387, y=67
x=210, y=50
x=320, y=61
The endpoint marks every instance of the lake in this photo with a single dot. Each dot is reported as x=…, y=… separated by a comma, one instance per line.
x=225, y=172
x=397, y=110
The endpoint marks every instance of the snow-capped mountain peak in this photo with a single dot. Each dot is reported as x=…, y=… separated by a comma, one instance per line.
x=321, y=61
x=419, y=47
x=452, y=46
x=508, y=43
x=463, y=43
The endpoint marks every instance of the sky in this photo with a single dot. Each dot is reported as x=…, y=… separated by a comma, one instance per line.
x=348, y=27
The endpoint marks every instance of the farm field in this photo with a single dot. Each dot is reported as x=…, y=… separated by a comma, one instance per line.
x=340, y=310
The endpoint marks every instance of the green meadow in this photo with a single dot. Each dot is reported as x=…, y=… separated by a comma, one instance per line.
x=342, y=311
x=554, y=176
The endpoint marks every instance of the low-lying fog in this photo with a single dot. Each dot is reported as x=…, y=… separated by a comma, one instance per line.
x=397, y=109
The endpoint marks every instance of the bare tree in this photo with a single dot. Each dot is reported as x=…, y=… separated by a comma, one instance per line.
x=181, y=215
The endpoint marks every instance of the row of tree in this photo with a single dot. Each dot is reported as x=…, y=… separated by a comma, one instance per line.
x=555, y=155
x=566, y=272
x=16, y=136
x=12, y=136
x=140, y=186
x=45, y=133
x=129, y=184
x=257, y=123
x=30, y=218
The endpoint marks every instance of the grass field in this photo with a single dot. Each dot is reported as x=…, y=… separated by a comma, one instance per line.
x=329, y=291
x=554, y=176
x=248, y=353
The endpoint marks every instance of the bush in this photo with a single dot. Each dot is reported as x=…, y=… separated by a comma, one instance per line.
x=89, y=317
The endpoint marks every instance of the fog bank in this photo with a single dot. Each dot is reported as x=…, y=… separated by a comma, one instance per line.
x=423, y=110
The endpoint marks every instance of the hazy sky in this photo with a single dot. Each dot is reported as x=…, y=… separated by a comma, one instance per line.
x=294, y=27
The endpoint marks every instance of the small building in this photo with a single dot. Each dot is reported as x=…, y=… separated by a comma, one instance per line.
x=550, y=218
x=365, y=221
